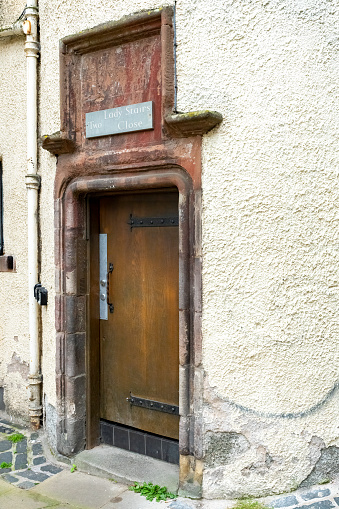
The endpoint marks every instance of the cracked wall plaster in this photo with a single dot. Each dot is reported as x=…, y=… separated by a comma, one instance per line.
x=223, y=448
x=325, y=468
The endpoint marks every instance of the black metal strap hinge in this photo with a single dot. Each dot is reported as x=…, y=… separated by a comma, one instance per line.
x=153, y=405
x=144, y=222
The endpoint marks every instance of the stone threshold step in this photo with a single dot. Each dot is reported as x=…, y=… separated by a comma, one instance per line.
x=126, y=466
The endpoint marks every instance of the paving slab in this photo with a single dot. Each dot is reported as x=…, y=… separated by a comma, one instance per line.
x=21, y=499
x=4, y=487
x=131, y=500
x=186, y=504
x=80, y=489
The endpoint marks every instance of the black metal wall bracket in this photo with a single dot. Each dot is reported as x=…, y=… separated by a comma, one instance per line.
x=41, y=294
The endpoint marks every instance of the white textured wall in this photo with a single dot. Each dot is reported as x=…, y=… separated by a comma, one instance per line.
x=270, y=228
x=10, y=11
x=14, y=340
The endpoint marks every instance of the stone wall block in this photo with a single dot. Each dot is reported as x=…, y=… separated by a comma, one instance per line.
x=59, y=313
x=184, y=427
x=197, y=224
x=75, y=317
x=184, y=404
x=75, y=396
x=60, y=388
x=184, y=336
x=184, y=290
x=185, y=226
x=57, y=280
x=72, y=439
x=197, y=317
x=198, y=388
x=60, y=353
x=197, y=285
x=197, y=434
x=75, y=354
x=57, y=212
x=82, y=246
x=74, y=213
x=70, y=253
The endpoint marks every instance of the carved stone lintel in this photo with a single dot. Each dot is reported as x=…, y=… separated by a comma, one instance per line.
x=192, y=123
x=58, y=143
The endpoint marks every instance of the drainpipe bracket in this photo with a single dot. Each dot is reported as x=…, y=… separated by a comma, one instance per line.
x=32, y=181
x=34, y=406
x=32, y=49
x=35, y=379
x=31, y=10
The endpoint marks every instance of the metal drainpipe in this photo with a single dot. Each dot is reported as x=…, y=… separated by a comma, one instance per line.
x=32, y=48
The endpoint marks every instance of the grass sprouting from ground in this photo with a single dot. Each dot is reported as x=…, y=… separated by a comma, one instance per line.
x=16, y=437
x=249, y=503
x=4, y=464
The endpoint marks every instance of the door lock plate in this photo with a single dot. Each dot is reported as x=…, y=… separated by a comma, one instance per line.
x=103, y=276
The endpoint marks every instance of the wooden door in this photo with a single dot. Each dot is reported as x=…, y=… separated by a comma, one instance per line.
x=139, y=339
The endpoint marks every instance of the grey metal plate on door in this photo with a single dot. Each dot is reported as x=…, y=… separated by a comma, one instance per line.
x=103, y=276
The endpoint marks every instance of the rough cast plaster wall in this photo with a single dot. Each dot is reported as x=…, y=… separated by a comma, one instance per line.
x=270, y=232
x=270, y=183
x=14, y=338
x=10, y=11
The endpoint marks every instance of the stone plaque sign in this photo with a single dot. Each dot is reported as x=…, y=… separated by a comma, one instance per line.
x=125, y=119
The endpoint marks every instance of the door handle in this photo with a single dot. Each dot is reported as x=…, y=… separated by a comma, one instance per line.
x=109, y=304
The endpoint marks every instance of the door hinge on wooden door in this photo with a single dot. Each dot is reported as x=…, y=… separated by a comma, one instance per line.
x=153, y=405
x=144, y=222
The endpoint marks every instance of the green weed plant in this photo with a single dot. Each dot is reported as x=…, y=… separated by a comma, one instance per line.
x=4, y=464
x=151, y=491
x=16, y=437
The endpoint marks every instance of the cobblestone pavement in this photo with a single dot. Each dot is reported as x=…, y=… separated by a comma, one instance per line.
x=318, y=497
x=23, y=463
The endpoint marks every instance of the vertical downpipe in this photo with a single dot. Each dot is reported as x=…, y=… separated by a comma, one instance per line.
x=32, y=48
x=175, y=57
